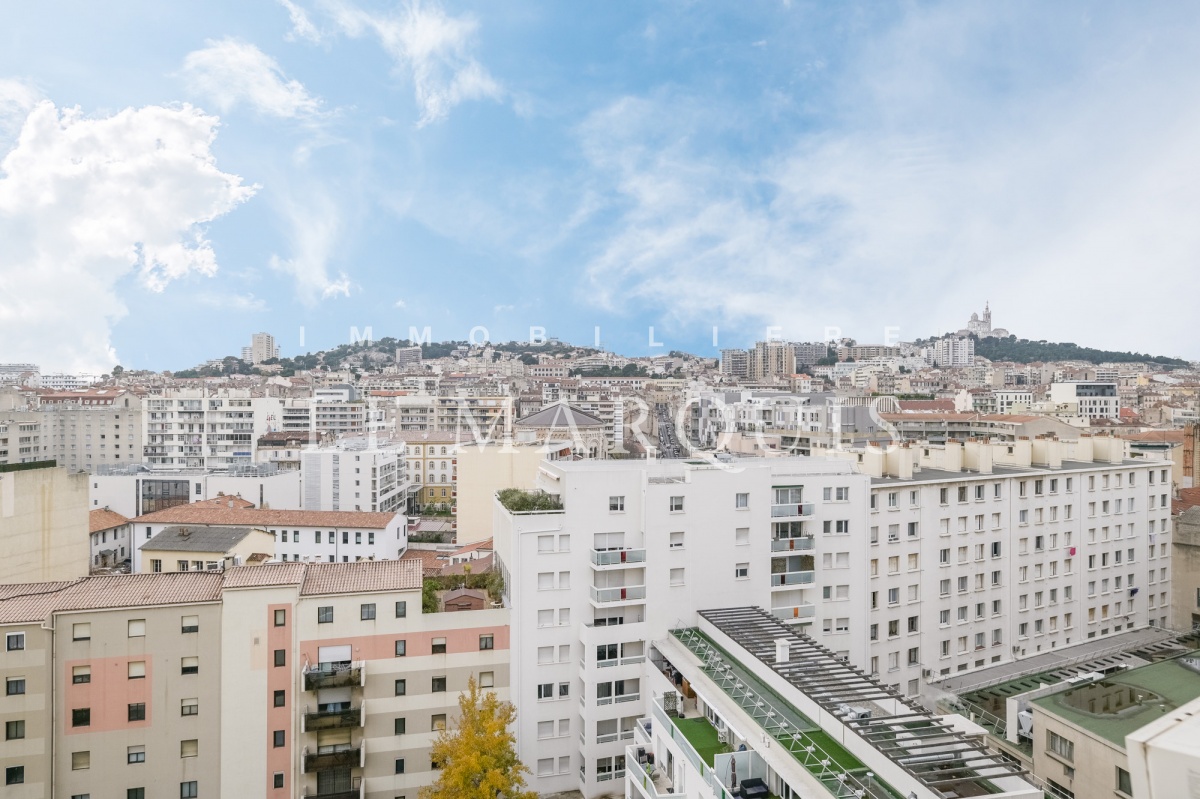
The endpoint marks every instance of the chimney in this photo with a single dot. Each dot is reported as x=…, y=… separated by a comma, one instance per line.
x=783, y=650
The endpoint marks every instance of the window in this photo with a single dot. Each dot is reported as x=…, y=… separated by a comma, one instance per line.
x=401, y=647
x=325, y=615
x=14, y=730
x=279, y=738
x=437, y=722
x=741, y=501
x=676, y=504
x=136, y=669
x=81, y=761
x=401, y=688
x=135, y=793
x=81, y=632
x=616, y=504
x=135, y=754
x=280, y=698
x=487, y=679
x=399, y=765
x=14, y=686
x=14, y=775
x=280, y=657
x=280, y=617
x=81, y=717
x=676, y=541
x=487, y=641
x=366, y=612
x=81, y=674
x=1061, y=746
x=137, y=711
x=188, y=790
x=676, y=577
x=137, y=628
x=438, y=685
x=398, y=725
x=401, y=610
x=189, y=665
x=741, y=571
x=189, y=707
x=1124, y=783
x=277, y=780
x=439, y=646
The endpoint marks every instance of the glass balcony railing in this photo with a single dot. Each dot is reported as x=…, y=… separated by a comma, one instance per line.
x=625, y=593
x=783, y=579
x=805, y=610
x=792, y=510
x=803, y=544
x=333, y=675
x=332, y=719
x=617, y=557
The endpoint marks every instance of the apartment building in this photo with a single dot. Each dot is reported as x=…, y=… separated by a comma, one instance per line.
x=771, y=358
x=300, y=535
x=88, y=429
x=21, y=442
x=133, y=490
x=355, y=477
x=111, y=538
x=43, y=523
x=199, y=429
x=263, y=347
x=1095, y=400
x=950, y=352
x=275, y=681
x=194, y=547
x=735, y=363
x=638, y=545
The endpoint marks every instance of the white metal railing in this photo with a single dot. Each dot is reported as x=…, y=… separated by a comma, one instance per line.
x=792, y=578
x=792, y=509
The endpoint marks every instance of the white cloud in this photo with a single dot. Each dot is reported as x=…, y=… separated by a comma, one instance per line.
x=241, y=303
x=302, y=26
x=85, y=202
x=430, y=47
x=401, y=304
x=1053, y=198
x=230, y=73
x=16, y=100
x=499, y=309
x=314, y=227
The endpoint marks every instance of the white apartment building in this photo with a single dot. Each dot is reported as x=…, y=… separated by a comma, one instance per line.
x=65, y=382
x=86, y=430
x=134, y=490
x=1007, y=399
x=1095, y=400
x=21, y=442
x=262, y=348
x=913, y=564
x=950, y=351
x=353, y=477
x=638, y=546
x=198, y=429
x=302, y=536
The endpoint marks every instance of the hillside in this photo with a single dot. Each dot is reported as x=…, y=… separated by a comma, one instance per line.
x=1022, y=350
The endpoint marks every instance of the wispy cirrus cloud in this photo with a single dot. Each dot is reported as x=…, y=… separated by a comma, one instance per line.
x=314, y=226
x=230, y=73
x=430, y=47
x=302, y=25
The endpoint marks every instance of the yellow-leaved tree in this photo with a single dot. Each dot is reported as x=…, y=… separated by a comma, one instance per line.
x=478, y=755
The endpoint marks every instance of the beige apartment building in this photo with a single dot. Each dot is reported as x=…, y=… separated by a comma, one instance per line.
x=281, y=680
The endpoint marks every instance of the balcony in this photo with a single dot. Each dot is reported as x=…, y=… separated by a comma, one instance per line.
x=334, y=675
x=804, y=544
x=624, y=593
x=617, y=557
x=792, y=511
x=350, y=756
x=805, y=610
x=332, y=719
x=355, y=791
x=790, y=579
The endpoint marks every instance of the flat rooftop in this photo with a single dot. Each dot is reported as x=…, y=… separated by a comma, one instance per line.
x=1124, y=702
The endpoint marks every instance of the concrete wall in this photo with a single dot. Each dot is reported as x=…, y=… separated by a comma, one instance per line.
x=44, y=525
x=482, y=471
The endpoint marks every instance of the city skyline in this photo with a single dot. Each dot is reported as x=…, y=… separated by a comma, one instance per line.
x=325, y=164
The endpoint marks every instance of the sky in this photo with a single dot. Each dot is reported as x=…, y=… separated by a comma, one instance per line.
x=177, y=176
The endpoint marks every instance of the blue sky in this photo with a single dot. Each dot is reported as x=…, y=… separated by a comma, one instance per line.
x=176, y=176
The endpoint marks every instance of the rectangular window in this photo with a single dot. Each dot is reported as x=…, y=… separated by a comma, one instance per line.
x=741, y=571
x=189, y=707
x=399, y=765
x=437, y=722
x=1124, y=783
x=487, y=679
x=81, y=717
x=366, y=612
x=189, y=624
x=280, y=657
x=398, y=725
x=137, y=711
x=81, y=674
x=439, y=646
x=280, y=617
x=401, y=610
x=188, y=790
x=280, y=698
x=81, y=761
x=14, y=730
x=81, y=632
x=1061, y=746
x=325, y=614
x=401, y=688
x=135, y=754
x=438, y=685
x=137, y=628
x=136, y=669
x=189, y=665
x=487, y=641
x=135, y=793
x=279, y=738
x=401, y=647
x=616, y=504
x=676, y=504
x=14, y=775
x=741, y=501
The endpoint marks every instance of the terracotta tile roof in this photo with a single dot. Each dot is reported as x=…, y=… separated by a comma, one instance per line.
x=1188, y=498
x=1164, y=436
x=257, y=517
x=485, y=544
x=104, y=519
x=268, y=574
x=431, y=561
x=114, y=591
x=223, y=501
x=478, y=566
x=361, y=577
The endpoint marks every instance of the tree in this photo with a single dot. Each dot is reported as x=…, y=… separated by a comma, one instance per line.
x=478, y=758
x=118, y=370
